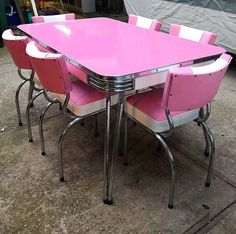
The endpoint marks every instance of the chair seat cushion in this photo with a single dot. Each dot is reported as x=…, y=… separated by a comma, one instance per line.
x=147, y=109
x=85, y=99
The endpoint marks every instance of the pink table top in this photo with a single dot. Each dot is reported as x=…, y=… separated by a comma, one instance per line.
x=109, y=47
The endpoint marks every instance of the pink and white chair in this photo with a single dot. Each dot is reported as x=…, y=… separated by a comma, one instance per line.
x=16, y=46
x=78, y=99
x=192, y=34
x=186, y=96
x=144, y=22
x=53, y=18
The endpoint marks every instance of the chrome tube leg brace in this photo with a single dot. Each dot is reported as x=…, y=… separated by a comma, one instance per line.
x=59, y=149
x=28, y=115
x=116, y=145
x=17, y=102
x=106, y=150
x=212, y=154
x=41, y=136
x=172, y=164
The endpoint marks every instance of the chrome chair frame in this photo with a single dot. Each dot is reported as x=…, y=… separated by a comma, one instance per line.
x=30, y=94
x=209, y=150
x=75, y=119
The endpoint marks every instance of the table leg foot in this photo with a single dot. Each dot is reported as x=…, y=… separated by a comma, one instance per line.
x=107, y=202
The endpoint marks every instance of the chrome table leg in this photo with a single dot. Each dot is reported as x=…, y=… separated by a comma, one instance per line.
x=106, y=150
x=125, y=140
x=96, y=124
x=115, y=146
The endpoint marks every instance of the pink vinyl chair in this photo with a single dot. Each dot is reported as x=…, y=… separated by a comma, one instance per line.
x=16, y=46
x=75, y=74
x=80, y=99
x=144, y=22
x=186, y=96
x=53, y=18
x=192, y=34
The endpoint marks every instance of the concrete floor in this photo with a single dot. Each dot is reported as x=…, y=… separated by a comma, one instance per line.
x=32, y=200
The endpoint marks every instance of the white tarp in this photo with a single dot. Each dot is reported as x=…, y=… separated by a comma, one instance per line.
x=213, y=19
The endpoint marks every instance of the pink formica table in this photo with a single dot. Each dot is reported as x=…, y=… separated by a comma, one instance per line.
x=118, y=57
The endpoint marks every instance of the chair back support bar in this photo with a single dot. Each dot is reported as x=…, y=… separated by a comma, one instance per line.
x=53, y=18
x=50, y=68
x=16, y=46
x=146, y=23
x=189, y=88
x=192, y=34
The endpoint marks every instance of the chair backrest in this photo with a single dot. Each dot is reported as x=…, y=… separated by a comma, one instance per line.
x=16, y=46
x=50, y=68
x=192, y=34
x=53, y=18
x=146, y=23
x=189, y=88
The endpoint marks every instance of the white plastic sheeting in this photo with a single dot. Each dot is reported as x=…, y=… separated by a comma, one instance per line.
x=214, y=20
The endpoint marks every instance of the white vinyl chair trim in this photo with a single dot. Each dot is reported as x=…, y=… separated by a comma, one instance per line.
x=160, y=126
x=190, y=33
x=89, y=108
x=33, y=51
x=217, y=65
x=54, y=18
x=9, y=35
x=143, y=22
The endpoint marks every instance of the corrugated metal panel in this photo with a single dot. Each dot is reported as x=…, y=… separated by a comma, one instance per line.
x=220, y=22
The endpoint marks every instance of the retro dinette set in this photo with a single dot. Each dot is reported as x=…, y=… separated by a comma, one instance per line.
x=159, y=80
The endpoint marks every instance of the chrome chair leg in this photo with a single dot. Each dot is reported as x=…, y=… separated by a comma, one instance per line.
x=172, y=164
x=60, y=106
x=106, y=151
x=115, y=149
x=125, y=140
x=212, y=155
x=205, y=116
x=41, y=136
x=28, y=115
x=17, y=102
x=208, y=143
x=59, y=149
x=31, y=90
x=96, y=124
